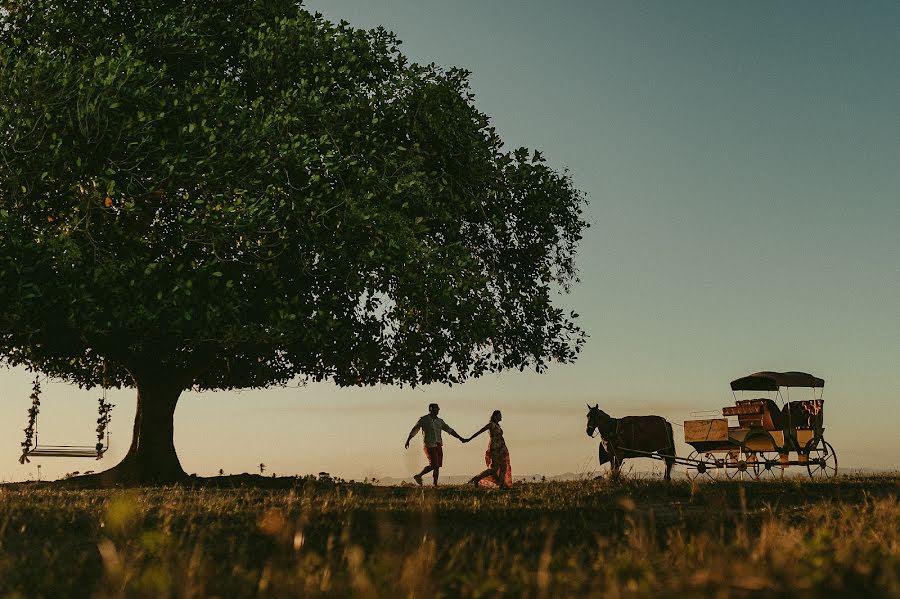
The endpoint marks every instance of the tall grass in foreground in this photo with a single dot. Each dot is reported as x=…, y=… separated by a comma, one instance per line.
x=626, y=539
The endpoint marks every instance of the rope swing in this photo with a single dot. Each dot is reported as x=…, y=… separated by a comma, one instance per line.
x=31, y=447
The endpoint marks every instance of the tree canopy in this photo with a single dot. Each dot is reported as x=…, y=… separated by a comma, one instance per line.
x=237, y=194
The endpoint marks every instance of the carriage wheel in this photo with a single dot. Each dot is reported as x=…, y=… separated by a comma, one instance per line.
x=821, y=461
x=736, y=465
x=702, y=469
x=763, y=467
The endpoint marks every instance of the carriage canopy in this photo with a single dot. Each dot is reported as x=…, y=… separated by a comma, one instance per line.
x=771, y=381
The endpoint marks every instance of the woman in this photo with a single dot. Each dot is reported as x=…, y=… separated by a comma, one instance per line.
x=498, y=472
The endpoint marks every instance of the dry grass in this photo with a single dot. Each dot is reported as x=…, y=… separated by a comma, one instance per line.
x=633, y=538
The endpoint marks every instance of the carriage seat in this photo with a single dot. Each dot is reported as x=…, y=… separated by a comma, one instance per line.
x=804, y=415
x=756, y=413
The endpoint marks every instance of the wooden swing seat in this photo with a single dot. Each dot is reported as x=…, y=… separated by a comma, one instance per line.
x=65, y=451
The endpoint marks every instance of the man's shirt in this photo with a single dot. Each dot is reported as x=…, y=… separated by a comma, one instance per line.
x=431, y=430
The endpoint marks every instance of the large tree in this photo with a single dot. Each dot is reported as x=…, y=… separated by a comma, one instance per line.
x=231, y=194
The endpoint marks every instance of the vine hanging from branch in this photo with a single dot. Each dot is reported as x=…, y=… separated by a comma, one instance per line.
x=105, y=413
x=27, y=444
x=105, y=410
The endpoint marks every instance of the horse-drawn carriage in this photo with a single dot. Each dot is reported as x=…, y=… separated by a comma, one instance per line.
x=762, y=438
x=766, y=437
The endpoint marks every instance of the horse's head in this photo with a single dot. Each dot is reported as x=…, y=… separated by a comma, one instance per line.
x=596, y=419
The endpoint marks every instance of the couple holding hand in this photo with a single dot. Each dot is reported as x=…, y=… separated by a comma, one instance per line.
x=498, y=473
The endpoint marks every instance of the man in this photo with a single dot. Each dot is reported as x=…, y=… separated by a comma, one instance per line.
x=431, y=427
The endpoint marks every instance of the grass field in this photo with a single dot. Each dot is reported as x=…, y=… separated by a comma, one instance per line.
x=631, y=538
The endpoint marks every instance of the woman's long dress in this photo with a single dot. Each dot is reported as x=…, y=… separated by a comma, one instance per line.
x=497, y=459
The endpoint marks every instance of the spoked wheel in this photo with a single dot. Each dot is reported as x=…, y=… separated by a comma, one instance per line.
x=821, y=459
x=736, y=465
x=763, y=466
x=703, y=468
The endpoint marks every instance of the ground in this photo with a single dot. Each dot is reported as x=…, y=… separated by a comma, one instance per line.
x=251, y=536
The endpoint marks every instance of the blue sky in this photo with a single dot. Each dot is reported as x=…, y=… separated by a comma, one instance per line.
x=741, y=164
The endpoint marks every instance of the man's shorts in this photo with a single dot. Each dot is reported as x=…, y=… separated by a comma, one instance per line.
x=435, y=456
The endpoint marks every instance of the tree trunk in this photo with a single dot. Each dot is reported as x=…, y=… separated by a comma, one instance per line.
x=151, y=459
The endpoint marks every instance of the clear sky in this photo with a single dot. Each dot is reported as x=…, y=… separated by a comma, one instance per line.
x=742, y=163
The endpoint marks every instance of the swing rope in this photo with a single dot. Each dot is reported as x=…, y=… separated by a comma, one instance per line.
x=105, y=410
x=32, y=420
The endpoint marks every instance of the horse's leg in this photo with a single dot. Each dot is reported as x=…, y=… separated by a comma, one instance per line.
x=615, y=460
x=670, y=462
x=670, y=451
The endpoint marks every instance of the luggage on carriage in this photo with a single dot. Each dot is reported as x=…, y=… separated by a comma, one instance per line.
x=766, y=438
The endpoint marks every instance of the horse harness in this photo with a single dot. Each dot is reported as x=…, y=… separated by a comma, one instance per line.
x=611, y=438
x=611, y=430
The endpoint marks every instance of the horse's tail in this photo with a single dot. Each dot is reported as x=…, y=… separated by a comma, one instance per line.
x=670, y=435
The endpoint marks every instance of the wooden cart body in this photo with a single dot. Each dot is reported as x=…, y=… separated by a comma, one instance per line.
x=766, y=438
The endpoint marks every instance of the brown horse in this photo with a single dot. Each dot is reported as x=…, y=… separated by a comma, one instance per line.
x=631, y=437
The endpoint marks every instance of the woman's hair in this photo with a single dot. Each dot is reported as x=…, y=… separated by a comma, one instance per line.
x=495, y=412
